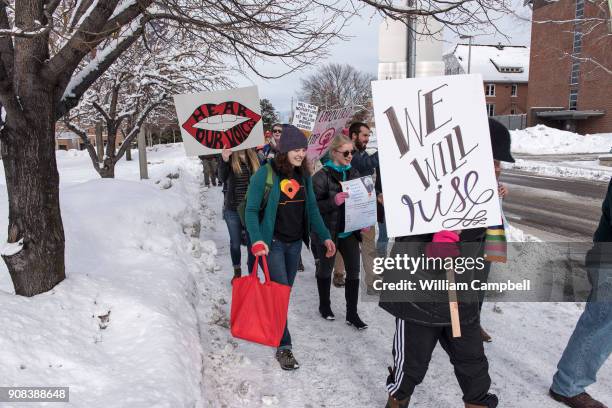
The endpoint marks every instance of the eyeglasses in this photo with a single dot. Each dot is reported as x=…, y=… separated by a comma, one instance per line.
x=277, y=131
x=346, y=153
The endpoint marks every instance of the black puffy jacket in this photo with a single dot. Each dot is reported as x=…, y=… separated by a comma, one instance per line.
x=436, y=312
x=326, y=184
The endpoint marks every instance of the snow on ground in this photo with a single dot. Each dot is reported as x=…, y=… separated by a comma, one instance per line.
x=541, y=139
x=151, y=276
x=590, y=170
x=121, y=330
x=342, y=367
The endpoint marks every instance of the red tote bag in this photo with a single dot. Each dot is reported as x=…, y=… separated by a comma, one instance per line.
x=259, y=310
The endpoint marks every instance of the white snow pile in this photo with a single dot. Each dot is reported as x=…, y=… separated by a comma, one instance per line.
x=541, y=139
x=590, y=170
x=121, y=330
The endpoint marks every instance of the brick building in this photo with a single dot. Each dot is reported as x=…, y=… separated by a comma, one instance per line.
x=571, y=65
x=505, y=72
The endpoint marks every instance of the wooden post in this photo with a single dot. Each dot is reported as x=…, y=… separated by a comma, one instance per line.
x=142, y=153
x=99, y=142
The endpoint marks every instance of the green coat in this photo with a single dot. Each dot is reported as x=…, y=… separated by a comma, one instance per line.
x=264, y=231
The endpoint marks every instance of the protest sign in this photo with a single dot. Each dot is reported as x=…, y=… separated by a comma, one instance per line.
x=210, y=121
x=305, y=116
x=329, y=124
x=435, y=154
x=360, y=205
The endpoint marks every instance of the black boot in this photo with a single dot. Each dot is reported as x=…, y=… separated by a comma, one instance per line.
x=237, y=273
x=323, y=285
x=351, y=293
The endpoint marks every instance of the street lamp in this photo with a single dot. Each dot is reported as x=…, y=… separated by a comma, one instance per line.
x=469, y=37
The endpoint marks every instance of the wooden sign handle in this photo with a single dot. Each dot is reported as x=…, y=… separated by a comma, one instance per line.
x=453, y=304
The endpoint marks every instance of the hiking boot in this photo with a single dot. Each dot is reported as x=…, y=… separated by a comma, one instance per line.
x=338, y=281
x=395, y=403
x=486, y=338
x=582, y=400
x=490, y=401
x=286, y=360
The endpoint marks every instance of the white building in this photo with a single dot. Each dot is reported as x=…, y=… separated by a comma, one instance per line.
x=393, y=50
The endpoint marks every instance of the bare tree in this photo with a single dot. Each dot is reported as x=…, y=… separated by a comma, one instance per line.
x=336, y=86
x=136, y=87
x=53, y=51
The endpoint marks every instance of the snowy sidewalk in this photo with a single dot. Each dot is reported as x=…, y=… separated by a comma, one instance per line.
x=341, y=367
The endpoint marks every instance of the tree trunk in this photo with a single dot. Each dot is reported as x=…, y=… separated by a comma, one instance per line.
x=32, y=182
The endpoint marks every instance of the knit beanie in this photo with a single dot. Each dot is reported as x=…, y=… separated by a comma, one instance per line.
x=291, y=138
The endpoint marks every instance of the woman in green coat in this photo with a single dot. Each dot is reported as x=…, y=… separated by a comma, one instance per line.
x=289, y=212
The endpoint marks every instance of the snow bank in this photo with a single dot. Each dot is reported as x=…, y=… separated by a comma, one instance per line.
x=122, y=329
x=578, y=169
x=541, y=139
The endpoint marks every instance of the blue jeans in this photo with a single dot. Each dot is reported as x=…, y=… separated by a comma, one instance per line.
x=235, y=229
x=590, y=344
x=283, y=261
x=383, y=239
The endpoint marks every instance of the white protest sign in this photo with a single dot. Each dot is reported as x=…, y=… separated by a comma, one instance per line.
x=305, y=116
x=435, y=154
x=329, y=124
x=360, y=205
x=210, y=121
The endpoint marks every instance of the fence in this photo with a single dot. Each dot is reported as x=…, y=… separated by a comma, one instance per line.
x=512, y=122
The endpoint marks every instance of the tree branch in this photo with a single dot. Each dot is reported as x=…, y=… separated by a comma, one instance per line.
x=90, y=148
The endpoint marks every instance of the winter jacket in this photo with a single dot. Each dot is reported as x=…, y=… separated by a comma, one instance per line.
x=264, y=230
x=365, y=163
x=436, y=312
x=599, y=258
x=326, y=183
x=235, y=186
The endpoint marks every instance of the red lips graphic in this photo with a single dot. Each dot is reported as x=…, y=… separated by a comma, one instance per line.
x=219, y=139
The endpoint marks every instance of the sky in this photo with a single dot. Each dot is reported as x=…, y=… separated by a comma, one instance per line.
x=361, y=51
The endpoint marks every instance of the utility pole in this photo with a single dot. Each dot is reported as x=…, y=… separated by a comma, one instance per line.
x=142, y=153
x=411, y=43
x=469, y=37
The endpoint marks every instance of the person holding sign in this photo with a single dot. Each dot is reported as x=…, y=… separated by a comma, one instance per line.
x=330, y=197
x=279, y=217
x=235, y=170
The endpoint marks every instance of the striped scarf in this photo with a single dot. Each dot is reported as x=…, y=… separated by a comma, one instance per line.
x=495, y=249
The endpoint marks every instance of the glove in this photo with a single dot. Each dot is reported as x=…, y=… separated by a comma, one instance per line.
x=340, y=198
x=443, y=245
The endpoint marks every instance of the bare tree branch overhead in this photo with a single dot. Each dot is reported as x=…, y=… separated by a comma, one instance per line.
x=53, y=52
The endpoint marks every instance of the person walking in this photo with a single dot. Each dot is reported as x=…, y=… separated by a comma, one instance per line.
x=330, y=199
x=235, y=170
x=209, y=164
x=279, y=220
x=366, y=165
x=591, y=342
x=270, y=149
x=421, y=323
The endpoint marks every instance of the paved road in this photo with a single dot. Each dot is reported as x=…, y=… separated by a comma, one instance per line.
x=559, y=157
x=553, y=208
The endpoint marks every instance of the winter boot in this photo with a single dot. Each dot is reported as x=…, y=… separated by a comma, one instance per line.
x=486, y=338
x=490, y=401
x=323, y=285
x=395, y=403
x=582, y=400
x=351, y=293
x=286, y=360
x=237, y=273
x=339, y=279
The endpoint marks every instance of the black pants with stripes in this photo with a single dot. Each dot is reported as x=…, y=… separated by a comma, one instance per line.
x=413, y=346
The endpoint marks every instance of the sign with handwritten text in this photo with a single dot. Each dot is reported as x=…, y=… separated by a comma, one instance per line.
x=329, y=124
x=435, y=154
